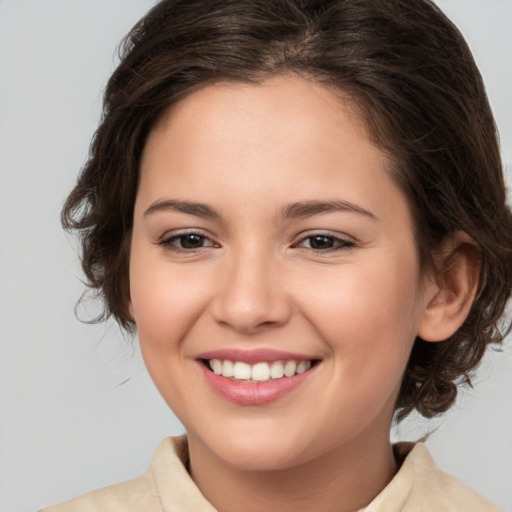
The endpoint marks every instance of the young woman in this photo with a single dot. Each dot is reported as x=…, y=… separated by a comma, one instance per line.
x=298, y=206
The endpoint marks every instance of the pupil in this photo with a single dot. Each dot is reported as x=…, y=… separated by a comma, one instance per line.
x=192, y=241
x=321, y=242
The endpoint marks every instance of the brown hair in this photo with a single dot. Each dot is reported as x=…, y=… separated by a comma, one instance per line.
x=402, y=62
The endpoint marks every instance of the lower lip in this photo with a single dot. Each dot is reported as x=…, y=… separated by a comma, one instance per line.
x=253, y=393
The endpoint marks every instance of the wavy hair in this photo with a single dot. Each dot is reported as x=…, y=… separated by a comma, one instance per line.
x=401, y=62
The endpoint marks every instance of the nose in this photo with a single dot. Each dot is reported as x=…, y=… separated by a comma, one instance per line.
x=251, y=296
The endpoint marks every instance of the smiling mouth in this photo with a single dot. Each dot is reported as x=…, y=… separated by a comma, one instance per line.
x=260, y=372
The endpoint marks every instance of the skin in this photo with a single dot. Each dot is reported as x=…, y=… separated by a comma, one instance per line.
x=253, y=280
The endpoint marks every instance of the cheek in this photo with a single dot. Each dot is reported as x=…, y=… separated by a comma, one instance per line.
x=166, y=303
x=368, y=318
x=367, y=311
x=166, y=300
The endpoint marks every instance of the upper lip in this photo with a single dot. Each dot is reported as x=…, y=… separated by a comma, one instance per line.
x=253, y=356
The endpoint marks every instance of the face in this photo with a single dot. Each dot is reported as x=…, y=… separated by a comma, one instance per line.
x=271, y=244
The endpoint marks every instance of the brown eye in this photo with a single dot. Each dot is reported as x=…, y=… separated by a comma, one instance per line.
x=191, y=241
x=321, y=242
x=186, y=242
x=325, y=243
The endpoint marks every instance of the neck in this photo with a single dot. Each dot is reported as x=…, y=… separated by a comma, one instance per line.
x=343, y=480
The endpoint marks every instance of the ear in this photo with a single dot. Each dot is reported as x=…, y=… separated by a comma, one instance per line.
x=449, y=293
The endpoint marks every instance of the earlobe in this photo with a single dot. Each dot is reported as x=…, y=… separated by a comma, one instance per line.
x=449, y=294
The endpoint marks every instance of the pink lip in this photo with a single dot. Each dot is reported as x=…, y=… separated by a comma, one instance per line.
x=253, y=356
x=253, y=393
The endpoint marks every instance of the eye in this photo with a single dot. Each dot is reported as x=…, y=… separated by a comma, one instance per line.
x=186, y=242
x=324, y=243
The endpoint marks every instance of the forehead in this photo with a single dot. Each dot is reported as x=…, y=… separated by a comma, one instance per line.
x=281, y=117
x=279, y=110
x=285, y=139
x=288, y=93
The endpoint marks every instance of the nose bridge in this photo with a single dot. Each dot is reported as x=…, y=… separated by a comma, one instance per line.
x=251, y=295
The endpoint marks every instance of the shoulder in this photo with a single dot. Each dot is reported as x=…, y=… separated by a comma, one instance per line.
x=420, y=486
x=134, y=495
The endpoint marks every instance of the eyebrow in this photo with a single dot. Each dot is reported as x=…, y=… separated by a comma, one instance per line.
x=295, y=210
x=188, y=207
x=310, y=208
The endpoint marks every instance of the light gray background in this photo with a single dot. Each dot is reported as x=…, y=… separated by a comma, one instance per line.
x=77, y=408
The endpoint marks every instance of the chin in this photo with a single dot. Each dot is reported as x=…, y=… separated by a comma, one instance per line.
x=256, y=448
x=257, y=457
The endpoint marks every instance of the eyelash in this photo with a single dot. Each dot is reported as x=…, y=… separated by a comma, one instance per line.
x=340, y=244
x=169, y=243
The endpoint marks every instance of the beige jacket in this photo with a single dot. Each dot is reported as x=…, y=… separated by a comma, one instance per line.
x=419, y=486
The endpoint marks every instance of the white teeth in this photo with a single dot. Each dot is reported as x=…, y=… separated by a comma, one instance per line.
x=228, y=369
x=242, y=371
x=216, y=366
x=303, y=366
x=277, y=370
x=259, y=372
x=290, y=368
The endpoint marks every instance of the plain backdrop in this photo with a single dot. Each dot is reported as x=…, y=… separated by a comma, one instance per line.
x=78, y=410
